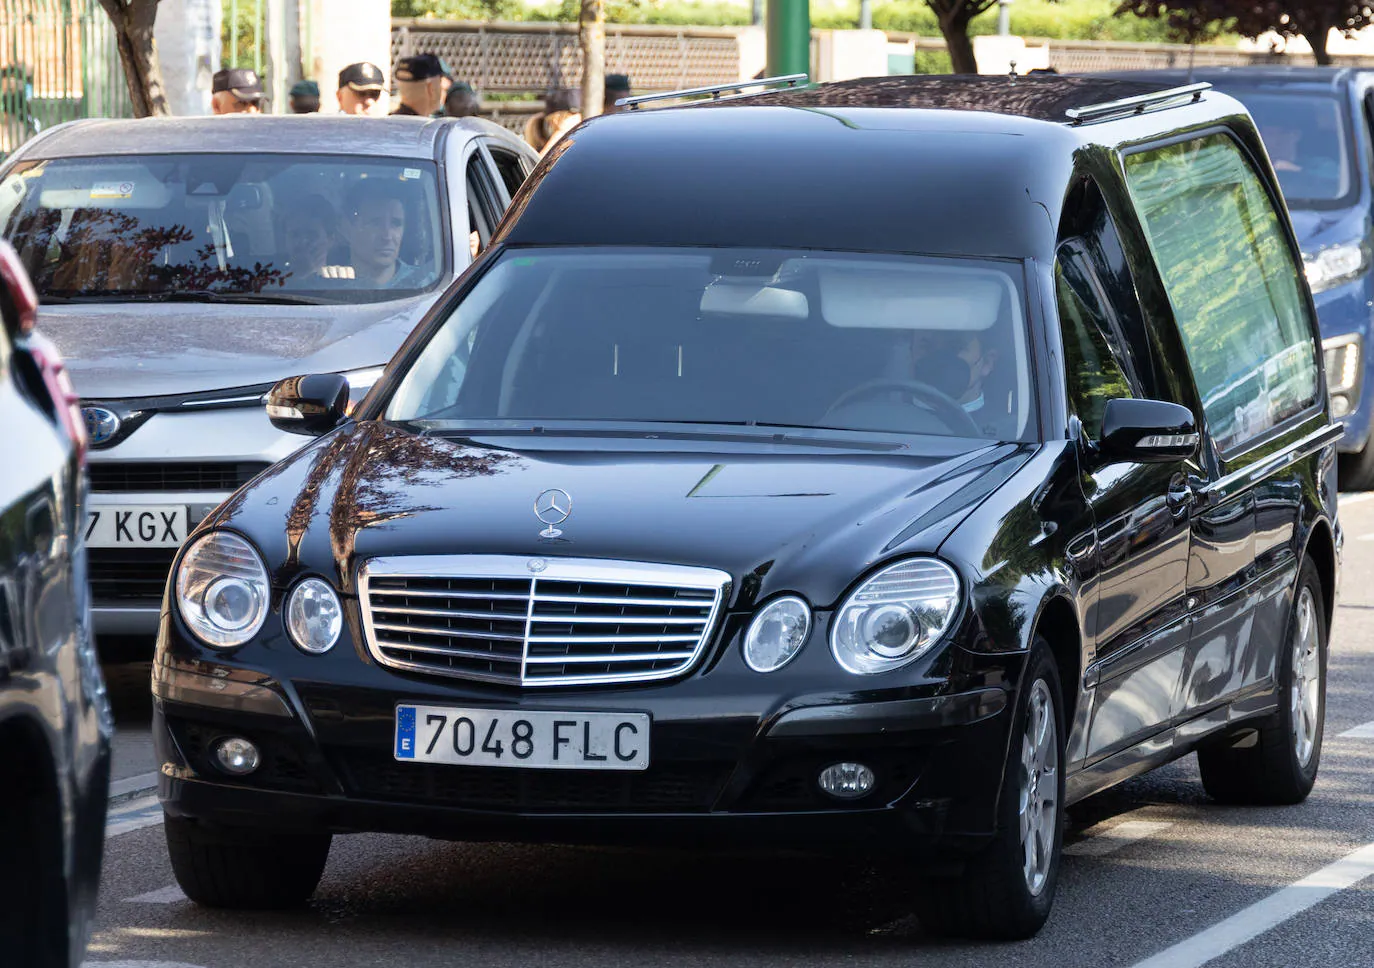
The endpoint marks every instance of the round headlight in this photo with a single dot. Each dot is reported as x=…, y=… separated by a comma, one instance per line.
x=777, y=634
x=895, y=616
x=314, y=616
x=222, y=590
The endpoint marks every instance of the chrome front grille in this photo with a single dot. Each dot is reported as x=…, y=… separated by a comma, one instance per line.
x=538, y=621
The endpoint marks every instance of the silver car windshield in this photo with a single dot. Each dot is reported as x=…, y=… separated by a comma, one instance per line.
x=785, y=338
x=297, y=227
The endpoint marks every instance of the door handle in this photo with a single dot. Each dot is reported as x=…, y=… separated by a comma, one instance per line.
x=1180, y=496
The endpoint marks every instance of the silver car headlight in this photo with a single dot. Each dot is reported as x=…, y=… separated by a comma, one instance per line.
x=895, y=616
x=1335, y=264
x=222, y=590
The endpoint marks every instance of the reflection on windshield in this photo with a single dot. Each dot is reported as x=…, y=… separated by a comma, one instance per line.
x=232, y=224
x=1306, y=141
x=772, y=338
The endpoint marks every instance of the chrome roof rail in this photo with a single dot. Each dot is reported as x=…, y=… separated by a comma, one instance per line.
x=1137, y=104
x=715, y=91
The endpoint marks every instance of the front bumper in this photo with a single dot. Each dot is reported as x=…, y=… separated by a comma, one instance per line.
x=729, y=766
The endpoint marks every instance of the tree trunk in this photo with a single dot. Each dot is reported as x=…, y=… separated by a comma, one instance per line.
x=1317, y=37
x=591, y=36
x=957, y=42
x=133, y=23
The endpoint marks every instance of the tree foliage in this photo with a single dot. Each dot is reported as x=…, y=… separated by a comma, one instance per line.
x=1195, y=20
x=954, y=17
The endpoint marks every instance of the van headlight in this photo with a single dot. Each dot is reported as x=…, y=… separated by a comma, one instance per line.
x=1329, y=267
x=222, y=590
x=895, y=616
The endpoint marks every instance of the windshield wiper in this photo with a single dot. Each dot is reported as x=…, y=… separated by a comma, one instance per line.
x=215, y=296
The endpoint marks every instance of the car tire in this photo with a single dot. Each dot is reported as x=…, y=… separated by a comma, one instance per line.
x=234, y=867
x=1002, y=894
x=1355, y=472
x=1278, y=758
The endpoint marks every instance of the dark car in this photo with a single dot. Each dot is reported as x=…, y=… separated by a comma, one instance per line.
x=55, y=723
x=887, y=464
x=187, y=264
x=1316, y=126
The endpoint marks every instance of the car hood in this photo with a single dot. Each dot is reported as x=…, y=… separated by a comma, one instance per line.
x=1317, y=229
x=120, y=350
x=810, y=520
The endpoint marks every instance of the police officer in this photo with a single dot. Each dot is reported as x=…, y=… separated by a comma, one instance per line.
x=421, y=80
x=617, y=86
x=462, y=101
x=236, y=90
x=305, y=97
x=360, y=85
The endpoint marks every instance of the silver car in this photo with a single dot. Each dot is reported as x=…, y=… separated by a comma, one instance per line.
x=185, y=265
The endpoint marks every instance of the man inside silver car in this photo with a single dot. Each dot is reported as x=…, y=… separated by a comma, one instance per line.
x=374, y=227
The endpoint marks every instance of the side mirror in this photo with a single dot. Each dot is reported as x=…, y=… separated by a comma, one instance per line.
x=1147, y=432
x=309, y=405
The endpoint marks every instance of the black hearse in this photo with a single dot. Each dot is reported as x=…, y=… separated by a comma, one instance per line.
x=893, y=462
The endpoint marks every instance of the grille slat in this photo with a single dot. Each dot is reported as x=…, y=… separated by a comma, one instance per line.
x=579, y=621
x=116, y=477
x=128, y=576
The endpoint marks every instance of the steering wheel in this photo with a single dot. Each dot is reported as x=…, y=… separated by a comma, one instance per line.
x=955, y=417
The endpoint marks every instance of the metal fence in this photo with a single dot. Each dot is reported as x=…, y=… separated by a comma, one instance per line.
x=58, y=61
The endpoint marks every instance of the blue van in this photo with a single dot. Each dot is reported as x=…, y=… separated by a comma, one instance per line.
x=1316, y=125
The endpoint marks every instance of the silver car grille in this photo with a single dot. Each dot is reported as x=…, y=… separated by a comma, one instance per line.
x=538, y=621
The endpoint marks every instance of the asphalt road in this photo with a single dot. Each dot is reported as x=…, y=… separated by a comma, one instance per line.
x=1156, y=876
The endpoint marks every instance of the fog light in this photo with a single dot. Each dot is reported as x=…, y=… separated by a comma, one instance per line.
x=847, y=781
x=1340, y=405
x=237, y=755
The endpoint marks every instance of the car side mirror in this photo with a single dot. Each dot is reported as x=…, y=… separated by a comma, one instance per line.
x=309, y=405
x=1147, y=432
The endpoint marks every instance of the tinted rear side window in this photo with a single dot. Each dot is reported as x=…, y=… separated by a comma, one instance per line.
x=1232, y=282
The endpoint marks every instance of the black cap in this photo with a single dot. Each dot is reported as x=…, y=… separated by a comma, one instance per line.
x=420, y=67
x=362, y=76
x=243, y=83
x=617, y=82
x=305, y=89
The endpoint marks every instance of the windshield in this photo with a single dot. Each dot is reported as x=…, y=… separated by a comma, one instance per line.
x=1308, y=143
x=780, y=338
x=261, y=226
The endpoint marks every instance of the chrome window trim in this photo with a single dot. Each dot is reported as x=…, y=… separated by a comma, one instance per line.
x=1247, y=477
x=519, y=567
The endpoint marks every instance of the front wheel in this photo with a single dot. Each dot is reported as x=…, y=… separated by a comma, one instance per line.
x=1356, y=471
x=238, y=867
x=1005, y=893
x=1277, y=762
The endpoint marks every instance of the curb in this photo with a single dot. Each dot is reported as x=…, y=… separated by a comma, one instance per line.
x=132, y=787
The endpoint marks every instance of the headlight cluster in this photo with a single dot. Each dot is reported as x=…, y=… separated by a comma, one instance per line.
x=1341, y=355
x=888, y=621
x=223, y=594
x=895, y=616
x=222, y=590
x=1335, y=264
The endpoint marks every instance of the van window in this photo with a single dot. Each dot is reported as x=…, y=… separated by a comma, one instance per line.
x=1232, y=282
x=1091, y=369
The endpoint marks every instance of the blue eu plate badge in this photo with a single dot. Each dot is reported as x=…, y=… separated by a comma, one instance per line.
x=405, y=733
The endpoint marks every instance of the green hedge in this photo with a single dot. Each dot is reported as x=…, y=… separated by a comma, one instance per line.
x=1062, y=20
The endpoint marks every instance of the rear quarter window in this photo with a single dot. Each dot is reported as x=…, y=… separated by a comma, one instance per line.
x=1232, y=282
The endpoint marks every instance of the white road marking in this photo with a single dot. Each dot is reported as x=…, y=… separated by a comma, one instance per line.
x=1365, y=537
x=1359, y=732
x=136, y=964
x=1358, y=497
x=163, y=895
x=134, y=815
x=1266, y=914
x=1113, y=839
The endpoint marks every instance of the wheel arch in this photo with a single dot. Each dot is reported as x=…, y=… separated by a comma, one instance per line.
x=1321, y=548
